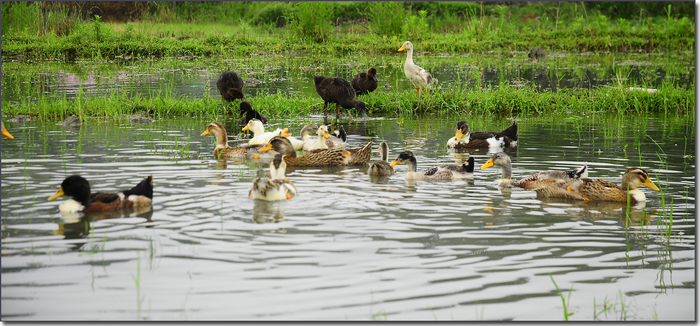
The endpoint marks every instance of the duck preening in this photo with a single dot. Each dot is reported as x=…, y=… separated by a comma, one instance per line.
x=84, y=201
x=382, y=166
x=223, y=150
x=534, y=181
x=277, y=186
x=248, y=113
x=442, y=172
x=365, y=82
x=464, y=138
x=420, y=78
x=230, y=86
x=339, y=91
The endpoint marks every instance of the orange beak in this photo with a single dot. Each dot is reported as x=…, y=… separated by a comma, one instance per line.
x=403, y=47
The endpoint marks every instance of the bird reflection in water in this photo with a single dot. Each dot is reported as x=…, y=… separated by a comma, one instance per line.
x=268, y=212
x=77, y=225
x=581, y=210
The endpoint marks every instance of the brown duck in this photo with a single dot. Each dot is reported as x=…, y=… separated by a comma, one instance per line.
x=230, y=86
x=319, y=157
x=365, y=82
x=339, y=91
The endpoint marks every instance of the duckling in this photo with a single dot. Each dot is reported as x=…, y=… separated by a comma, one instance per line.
x=230, y=86
x=365, y=82
x=277, y=187
x=260, y=137
x=223, y=150
x=534, y=181
x=250, y=114
x=318, y=143
x=84, y=201
x=317, y=157
x=601, y=190
x=339, y=91
x=5, y=133
x=420, y=78
x=442, y=172
x=382, y=167
x=463, y=138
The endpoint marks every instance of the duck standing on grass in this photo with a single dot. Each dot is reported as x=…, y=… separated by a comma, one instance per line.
x=230, y=86
x=420, y=78
x=339, y=91
x=83, y=201
x=365, y=82
x=277, y=187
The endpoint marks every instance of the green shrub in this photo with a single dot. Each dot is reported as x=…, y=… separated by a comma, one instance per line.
x=312, y=19
x=387, y=17
x=275, y=13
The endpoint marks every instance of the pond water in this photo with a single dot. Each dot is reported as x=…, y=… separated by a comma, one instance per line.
x=293, y=75
x=348, y=247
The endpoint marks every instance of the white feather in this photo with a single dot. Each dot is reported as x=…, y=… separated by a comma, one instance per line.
x=70, y=206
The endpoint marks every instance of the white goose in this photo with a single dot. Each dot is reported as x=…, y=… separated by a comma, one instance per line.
x=260, y=137
x=420, y=78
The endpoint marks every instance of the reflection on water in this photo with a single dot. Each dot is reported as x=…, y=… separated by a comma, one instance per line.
x=348, y=246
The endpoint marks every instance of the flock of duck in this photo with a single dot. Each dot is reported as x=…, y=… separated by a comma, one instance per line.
x=321, y=148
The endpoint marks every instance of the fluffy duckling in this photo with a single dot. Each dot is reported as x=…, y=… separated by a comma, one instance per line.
x=420, y=78
x=223, y=150
x=249, y=114
x=277, y=187
x=339, y=91
x=463, y=138
x=260, y=137
x=534, y=181
x=442, y=172
x=320, y=142
x=318, y=157
x=84, y=201
x=5, y=133
x=365, y=82
x=601, y=190
x=382, y=167
x=230, y=86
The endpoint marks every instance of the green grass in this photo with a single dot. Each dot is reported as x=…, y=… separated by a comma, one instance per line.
x=504, y=101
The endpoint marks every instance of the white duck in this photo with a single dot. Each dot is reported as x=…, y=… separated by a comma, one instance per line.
x=420, y=78
x=260, y=137
x=306, y=133
x=277, y=187
x=317, y=143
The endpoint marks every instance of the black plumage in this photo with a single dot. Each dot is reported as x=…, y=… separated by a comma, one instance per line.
x=339, y=91
x=230, y=86
x=365, y=82
x=249, y=113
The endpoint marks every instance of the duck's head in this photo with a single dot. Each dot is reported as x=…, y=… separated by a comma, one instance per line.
x=281, y=145
x=6, y=133
x=74, y=186
x=256, y=126
x=637, y=177
x=323, y=132
x=501, y=159
x=579, y=173
x=462, y=130
x=383, y=151
x=216, y=129
x=405, y=156
x=469, y=166
x=360, y=106
x=406, y=46
x=278, y=167
x=372, y=73
x=318, y=79
x=308, y=130
x=340, y=133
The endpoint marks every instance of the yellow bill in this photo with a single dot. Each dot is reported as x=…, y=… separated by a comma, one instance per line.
x=458, y=135
x=488, y=164
x=396, y=162
x=325, y=134
x=265, y=148
x=206, y=132
x=403, y=47
x=6, y=133
x=59, y=193
x=285, y=133
x=247, y=127
x=651, y=184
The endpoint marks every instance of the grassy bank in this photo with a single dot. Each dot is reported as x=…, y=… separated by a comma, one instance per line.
x=346, y=29
x=505, y=100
